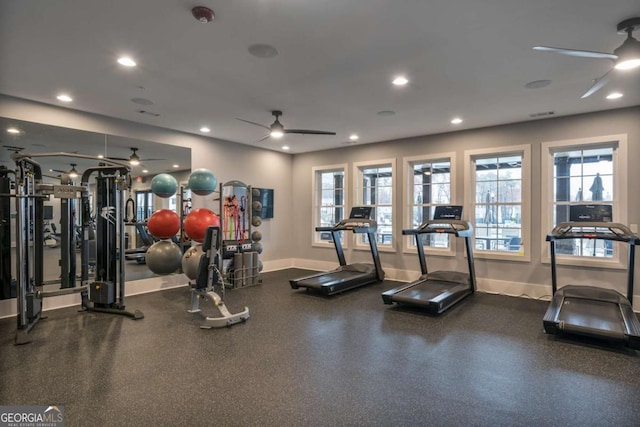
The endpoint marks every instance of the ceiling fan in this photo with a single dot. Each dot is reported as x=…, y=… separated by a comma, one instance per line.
x=73, y=172
x=277, y=130
x=625, y=57
x=133, y=159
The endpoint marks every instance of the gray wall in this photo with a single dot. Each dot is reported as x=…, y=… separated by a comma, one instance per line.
x=228, y=161
x=288, y=235
x=623, y=121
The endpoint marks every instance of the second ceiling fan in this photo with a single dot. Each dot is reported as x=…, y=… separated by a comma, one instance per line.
x=277, y=130
x=625, y=57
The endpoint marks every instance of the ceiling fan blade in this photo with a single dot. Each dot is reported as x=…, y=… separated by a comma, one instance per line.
x=599, y=84
x=254, y=123
x=263, y=138
x=579, y=53
x=309, y=132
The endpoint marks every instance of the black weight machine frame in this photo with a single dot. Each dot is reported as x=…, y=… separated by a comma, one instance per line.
x=106, y=292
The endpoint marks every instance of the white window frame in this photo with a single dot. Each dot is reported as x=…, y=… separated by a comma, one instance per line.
x=524, y=255
x=317, y=204
x=619, y=201
x=407, y=197
x=357, y=200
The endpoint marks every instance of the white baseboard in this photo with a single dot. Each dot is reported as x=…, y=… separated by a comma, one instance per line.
x=8, y=307
x=514, y=289
x=136, y=287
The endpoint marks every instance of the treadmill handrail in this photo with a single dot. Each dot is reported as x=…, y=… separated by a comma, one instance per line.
x=618, y=232
x=360, y=225
x=459, y=228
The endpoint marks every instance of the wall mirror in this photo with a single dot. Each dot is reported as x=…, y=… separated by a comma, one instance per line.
x=154, y=158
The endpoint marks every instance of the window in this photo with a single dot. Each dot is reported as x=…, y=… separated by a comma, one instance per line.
x=429, y=184
x=144, y=205
x=329, y=183
x=498, y=188
x=578, y=172
x=374, y=187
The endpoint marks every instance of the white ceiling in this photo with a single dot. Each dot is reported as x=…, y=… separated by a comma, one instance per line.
x=465, y=58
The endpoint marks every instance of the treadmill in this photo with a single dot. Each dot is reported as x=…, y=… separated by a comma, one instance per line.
x=438, y=291
x=591, y=311
x=347, y=276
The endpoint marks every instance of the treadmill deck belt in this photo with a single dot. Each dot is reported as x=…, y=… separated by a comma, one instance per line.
x=333, y=278
x=426, y=291
x=592, y=314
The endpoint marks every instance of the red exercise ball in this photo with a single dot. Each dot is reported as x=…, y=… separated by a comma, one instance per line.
x=164, y=224
x=197, y=222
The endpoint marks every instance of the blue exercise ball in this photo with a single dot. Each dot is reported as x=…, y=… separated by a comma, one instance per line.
x=202, y=182
x=164, y=185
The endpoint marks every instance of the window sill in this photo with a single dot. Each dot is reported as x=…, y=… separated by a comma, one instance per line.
x=389, y=249
x=431, y=252
x=501, y=256
x=587, y=262
x=328, y=245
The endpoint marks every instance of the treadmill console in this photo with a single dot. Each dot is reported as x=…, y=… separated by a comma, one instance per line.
x=361, y=212
x=448, y=212
x=590, y=213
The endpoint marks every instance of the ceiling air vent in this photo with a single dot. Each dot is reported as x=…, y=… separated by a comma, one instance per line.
x=148, y=113
x=543, y=114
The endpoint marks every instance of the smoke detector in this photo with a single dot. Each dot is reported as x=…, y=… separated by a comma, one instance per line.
x=203, y=14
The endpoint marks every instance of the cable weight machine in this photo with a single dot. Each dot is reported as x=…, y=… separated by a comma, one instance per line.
x=105, y=293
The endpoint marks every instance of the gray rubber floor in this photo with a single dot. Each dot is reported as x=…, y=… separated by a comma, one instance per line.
x=305, y=359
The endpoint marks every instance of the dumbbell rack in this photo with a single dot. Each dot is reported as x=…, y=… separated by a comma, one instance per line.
x=239, y=264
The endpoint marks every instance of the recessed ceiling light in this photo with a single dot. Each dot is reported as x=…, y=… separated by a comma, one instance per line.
x=538, y=84
x=142, y=101
x=354, y=137
x=386, y=113
x=101, y=156
x=145, y=171
x=263, y=51
x=176, y=166
x=14, y=131
x=64, y=97
x=400, y=81
x=614, y=95
x=126, y=61
x=205, y=129
x=285, y=147
x=456, y=121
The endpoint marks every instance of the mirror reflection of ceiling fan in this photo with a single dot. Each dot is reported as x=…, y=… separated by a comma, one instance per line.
x=625, y=57
x=134, y=159
x=73, y=172
x=277, y=130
